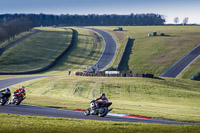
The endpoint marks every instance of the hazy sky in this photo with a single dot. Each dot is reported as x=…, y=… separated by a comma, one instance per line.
x=169, y=8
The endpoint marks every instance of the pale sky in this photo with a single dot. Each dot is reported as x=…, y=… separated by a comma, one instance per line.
x=168, y=8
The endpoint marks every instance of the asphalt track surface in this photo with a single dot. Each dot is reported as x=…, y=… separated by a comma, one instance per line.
x=12, y=81
x=175, y=70
x=24, y=109
x=109, y=50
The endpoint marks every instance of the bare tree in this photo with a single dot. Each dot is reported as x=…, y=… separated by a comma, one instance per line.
x=185, y=20
x=176, y=20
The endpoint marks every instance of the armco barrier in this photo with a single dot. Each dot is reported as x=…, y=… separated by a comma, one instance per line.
x=73, y=41
x=120, y=74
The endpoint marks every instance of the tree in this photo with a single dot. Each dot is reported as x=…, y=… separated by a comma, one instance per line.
x=176, y=20
x=185, y=20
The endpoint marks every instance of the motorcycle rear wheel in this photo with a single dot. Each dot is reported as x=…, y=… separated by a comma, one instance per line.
x=104, y=113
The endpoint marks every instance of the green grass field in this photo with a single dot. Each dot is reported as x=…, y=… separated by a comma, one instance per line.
x=155, y=54
x=33, y=124
x=36, y=51
x=174, y=99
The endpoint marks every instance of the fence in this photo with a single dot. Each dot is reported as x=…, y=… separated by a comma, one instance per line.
x=116, y=74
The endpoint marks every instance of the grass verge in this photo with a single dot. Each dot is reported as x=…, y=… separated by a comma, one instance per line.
x=33, y=124
x=192, y=70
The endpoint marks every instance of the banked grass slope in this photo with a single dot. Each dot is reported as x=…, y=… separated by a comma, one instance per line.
x=36, y=51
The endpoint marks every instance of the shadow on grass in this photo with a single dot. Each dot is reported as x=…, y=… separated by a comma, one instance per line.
x=159, y=78
x=56, y=107
x=164, y=36
x=124, y=61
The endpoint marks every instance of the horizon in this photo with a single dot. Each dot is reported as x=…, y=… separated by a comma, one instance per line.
x=169, y=9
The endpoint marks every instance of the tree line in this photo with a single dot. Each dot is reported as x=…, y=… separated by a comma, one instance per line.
x=89, y=20
x=14, y=27
x=13, y=24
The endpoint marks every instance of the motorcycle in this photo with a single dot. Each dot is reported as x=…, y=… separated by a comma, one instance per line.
x=4, y=97
x=101, y=111
x=16, y=99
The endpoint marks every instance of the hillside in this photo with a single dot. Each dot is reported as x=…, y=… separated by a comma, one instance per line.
x=35, y=52
x=156, y=54
x=85, y=52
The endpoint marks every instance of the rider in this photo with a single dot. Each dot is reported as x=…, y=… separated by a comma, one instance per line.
x=21, y=92
x=7, y=92
x=103, y=100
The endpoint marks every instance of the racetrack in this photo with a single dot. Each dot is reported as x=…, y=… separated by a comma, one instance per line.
x=12, y=81
x=109, y=50
x=175, y=70
x=106, y=58
x=53, y=112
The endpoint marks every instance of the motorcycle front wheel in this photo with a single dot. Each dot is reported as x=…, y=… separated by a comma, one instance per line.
x=3, y=101
x=87, y=112
x=17, y=102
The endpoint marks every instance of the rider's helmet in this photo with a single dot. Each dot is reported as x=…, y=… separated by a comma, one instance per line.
x=23, y=88
x=7, y=90
x=103, y=95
